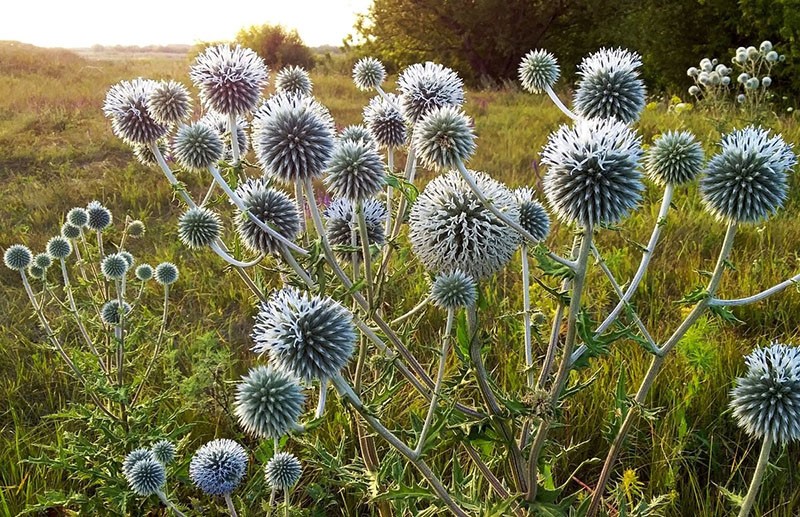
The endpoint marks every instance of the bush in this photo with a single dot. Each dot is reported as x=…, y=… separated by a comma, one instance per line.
x=277, y=46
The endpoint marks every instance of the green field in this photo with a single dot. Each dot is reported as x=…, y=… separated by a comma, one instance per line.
x=57, y=151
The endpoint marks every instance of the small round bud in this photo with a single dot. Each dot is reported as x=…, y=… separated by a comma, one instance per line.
x=741, y=98
x=538, y=71
x=110, y=312
x=42, y=261
x=743, y=78
x=218, y=467
x=453, y=290
x=268, y=402
x=355, y=171
x=199, y=227
x=70, y=231
x=144, y=272
x=128, y=257
x=425, y=87
x=741, y=57
x=694, y=90
x=114, y=266
x=752, y=83
x=766, y=81
x=78, y=217
x=772, y=56
x=17, y=257
x=533, y=217
x=283, y=470
x=164, y=451
x=136, y=229
x=368, y=74
x=197, y=147
x=37, y=272
x=59, y=247
x=169, y=102
x=166, y=273
x=444, y=137
x=692, y=71
x=147, y=476
x=99, y=216
x=294, y=80
x=726, y=81
x=134, y=457
x=752, y=53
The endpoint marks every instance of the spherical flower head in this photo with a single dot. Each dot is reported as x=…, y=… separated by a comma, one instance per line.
x=164, y=451
x=385, y=121
x=283, y=470
x=368, y=74
x=59, y=247
x=144, y=272
x=533, y=216
x=100, y=217
x=610, y=86
x=341, y=221
x=78, y=216
x=538, y=71
x=144, y=154
x=220, y=124
x=147, y=476
x=293, y=138
x=218, y=467
x=230, y=80
x=747, y=180
x=166, y=273
x=766, y=401
x=268, y=402
x=675, y=157
x=356, y=133
x=136, y=229
x=355, y=171
x=17, y=257
x=169, y=102
x=270, y=206
x=453, y=290
x=309, y=337
x=294, y=80
x=110, y=312
x=42, y=260
x=451, y=229
x=114, y=266
x=126, y=107
x=197, y=147
x=134, y=457
x=37, y=272
x=444, y=137
x=593, y=175
x=424, y=87
x=199, y=227
x=128, y=256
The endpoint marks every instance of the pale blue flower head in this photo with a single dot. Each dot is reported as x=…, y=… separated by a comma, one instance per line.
x=294, y=80
x=368, y=74
x=675, y=157
x=538, y=71
x=268, y=402
x=283, y=470
x=230, y=80
x=609, y=85
x=146, y=476
x=218, y=467
x=454, y=289
x=444, y=138
x=533, y=217
x=271, y=206
x=17, y=257
x=425, y=87
x=355, y=171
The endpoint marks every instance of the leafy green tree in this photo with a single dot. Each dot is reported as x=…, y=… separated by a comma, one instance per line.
x=278, y=46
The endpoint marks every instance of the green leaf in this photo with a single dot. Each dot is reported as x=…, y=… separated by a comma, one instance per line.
x=549, y=266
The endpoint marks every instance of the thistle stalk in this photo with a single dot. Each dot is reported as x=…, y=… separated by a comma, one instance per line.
x=755, y=483
x=229, y=503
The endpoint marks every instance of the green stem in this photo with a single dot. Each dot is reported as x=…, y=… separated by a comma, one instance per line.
x=755, y=484
x=229, y=503
x=156, y=349
x=364, y=238
x=526, y=314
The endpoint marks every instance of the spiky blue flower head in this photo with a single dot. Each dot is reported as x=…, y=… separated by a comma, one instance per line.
x=355, y=171
x=99, y=217
x=451, y=229
x=675, y=157
x=341, y=221
x=146, y=476
x=166, y=273
x=110, y=312
x=593, y=175
x=425, y=87
x=747, y=180
x=270, y=206
x=42, y=260
x=766, y=401
x=268, y=402
x=128, y=257
x=218, y=466
x=454, y=289
x=197, y=147
x=309, y=337
x=144, y=272
x=294, y=80
x=136, y=229
x=283, y=470
x=368, y=74
x=356, y=133
x=17, y=257
x=610, y=86
x=199, y=227
x=444, y=137
x=126, y=107
x=230, y=80
x=164, y=451
x=220, y=123
x=538, y=71
x=134, y=457
x=533, y=216
x=114, y=266
x=78, y=216
x=169, y=102
x=59, y=247
x=37, y=272
x=293, y=138
x=385, y=121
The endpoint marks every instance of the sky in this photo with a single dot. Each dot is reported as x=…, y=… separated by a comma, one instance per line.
x=83, y=23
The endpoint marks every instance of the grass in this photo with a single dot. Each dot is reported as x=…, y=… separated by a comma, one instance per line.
x=57, y=151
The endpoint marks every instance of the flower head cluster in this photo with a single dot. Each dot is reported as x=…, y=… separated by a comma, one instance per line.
x=270, y=206
x=230, y=80
x=675, y=157
x=368, y=74
x=126, y=107
x=283, y=470
x=710, y=78
x=424, y=87
x=169, y=102
x=341, y=223
x=444, y=137
x=610, y=86
x=268, y=402
x=355, y=171
x=218, y=467
x=538, y=71
x=385, y=121
x=453, y=290
x=294, y=80
x=533, y=217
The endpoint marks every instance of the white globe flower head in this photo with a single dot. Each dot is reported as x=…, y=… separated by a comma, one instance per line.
x=368, y=74
x=131, y=120
x=538, y=71
x=766, y=81
x=444, y=137
x=705, y=65
x=694, y=90
x=268, y=402
x=610, y=86
x=772, y=56
x=385, y=121
x=425, y=87
x=283, y=470
x=765, y=46
x=692, y=71
x=230, y=80
x=743, y=77
x=294, y=80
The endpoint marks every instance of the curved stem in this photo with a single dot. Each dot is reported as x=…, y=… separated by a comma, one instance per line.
x=289, y=258
x=323, y=392
x=170, y=176
x=448, y=329
x=229, y=503
x=74, y=309
x=209, y=193
x=234, y=130
x=755, y=484
x=168, y=503
x=756, y=297
x=421, y=305
x=560, y=105
x=232, y=261
x=365, y=251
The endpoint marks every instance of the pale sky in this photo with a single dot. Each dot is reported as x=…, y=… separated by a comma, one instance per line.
x=82, y=23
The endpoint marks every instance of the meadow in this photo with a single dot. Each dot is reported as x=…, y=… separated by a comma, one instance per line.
x=57, y=151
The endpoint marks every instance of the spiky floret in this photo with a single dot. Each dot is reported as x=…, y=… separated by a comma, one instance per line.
x=197, y=147
x=144, y=272
x=355, y=171
x=533, y=216
x=126, y=107
x=675, y=157
x=454, y=289
x=134, y=457
x=144, y=154
x=166, y=273
x=70, y=231
x=593, y=175
x=294, y=80
x=283, y=470
x=114, y=266
x=747, y=180
x=538, y=71
x=135, y=229
x=128, y=257
x=164, y=451
x=220, y=124
x=146, y=476
x=99, y=217
x=310, y=337
x=110, y=312
x=42, y=260
x=218, y=466
x=451, y=229
x=368, y=74
x=199, y=227
x=270, y=206
x=37, y=272
x=341, y=222
x=59, y=247
x=268, y=402
x=230, y=80
x=293, y=138
x=78, y=216
x=424, y=87
x=169, y=102
x=444, y=137
x=766, y=400
x=385, y=121
x=356, y=133
x=17, y=257
x=610, y=86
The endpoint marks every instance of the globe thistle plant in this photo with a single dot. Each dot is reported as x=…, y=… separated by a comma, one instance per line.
x=218, y=467
x=675, y=157
x=593, y=175
x=283, y=470
x=425, y=87
x=134, y=457
x=197, y=147
x=99, y=217
x=310, y=337
x=356, y=133
x=443, y=138
x=78, y=216
x=59, y=247
x=17, y=257
x=164, y=451
x=114, y=266
x=610, y=86
x=144, y=272
x=270, y=206
x=146, y=476
x=42, y=260
x=746, y=181
x=294, y=80
x=533, y=216
x=135, y=229
x=199, y=227
x=341, y=221
x=169, y=102
x=385, y=122
x=110, y=312
x=355, y=171
x=268, y=402
x=454, y=289
x=368, y=74
x=126, y=107
x=219, y=122
x=230, y=80
x=166, y=273
x=538, y=71
x=451, y=229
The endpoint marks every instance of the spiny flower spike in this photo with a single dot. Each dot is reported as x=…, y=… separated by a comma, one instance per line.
x=126, y=107
x=424, y=87
x=268, y=402
x=218, y=467
x=230, y=80
x=675, y=157
x=610, y=86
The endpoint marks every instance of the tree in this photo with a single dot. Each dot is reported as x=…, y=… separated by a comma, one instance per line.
x=277, y=46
